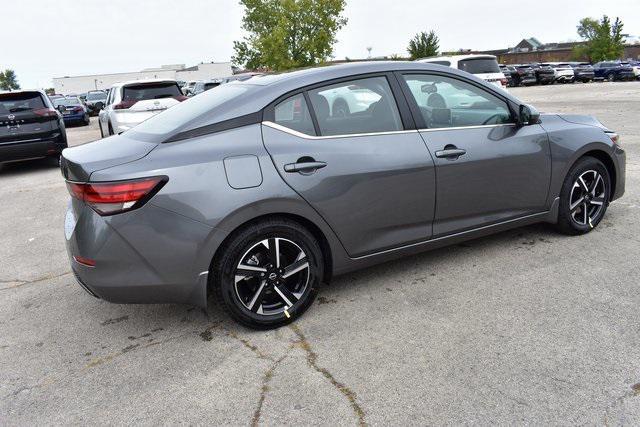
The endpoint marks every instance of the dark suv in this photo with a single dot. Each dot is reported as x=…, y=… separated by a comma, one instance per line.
x=525, y=76
x=544, y=73
x=30, y=127
x=583, y=71
x=95, y=101
x=612, y=71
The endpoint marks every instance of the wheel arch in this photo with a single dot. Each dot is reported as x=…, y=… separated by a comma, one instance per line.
x=314, y=229
x=606, y=159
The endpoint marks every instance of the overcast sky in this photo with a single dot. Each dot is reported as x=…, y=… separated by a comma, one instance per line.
x=42, y=39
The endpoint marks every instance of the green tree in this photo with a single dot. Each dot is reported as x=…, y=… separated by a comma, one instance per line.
x=8, y=80
x=603, y=39
x=284, y=34
x=424, y=45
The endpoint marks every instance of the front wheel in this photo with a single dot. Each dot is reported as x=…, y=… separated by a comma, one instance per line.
x=584, y=197
x=268, y=273
x=611, y=77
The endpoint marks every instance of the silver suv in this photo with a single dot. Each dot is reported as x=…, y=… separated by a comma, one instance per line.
x=129, y=104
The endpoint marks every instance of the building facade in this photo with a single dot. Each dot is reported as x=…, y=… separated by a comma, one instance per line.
x=80, y=84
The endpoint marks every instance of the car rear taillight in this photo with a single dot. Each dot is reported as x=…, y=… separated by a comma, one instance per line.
x=180, y=98
x=108, y=198
x=45, y=112
x=124, y=105
x=503, y=82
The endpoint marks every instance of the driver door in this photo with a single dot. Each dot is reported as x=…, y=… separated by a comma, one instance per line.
x=488, y=170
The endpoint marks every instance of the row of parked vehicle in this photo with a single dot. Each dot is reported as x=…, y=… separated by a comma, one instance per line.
x=569, y=72
x=487, y=68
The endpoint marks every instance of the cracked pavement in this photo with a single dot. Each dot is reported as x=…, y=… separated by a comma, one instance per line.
x=526, y=326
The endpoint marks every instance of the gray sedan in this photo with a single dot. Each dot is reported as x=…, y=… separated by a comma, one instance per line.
x=256, y=192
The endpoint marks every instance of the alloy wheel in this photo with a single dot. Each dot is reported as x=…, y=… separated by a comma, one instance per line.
x=272, y=276
x=587, y=198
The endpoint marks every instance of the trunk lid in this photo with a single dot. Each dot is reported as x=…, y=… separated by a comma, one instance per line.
x=78, y=163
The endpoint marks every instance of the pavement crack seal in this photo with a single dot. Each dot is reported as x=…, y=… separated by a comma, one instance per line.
x=312, y=360
x=18, y=283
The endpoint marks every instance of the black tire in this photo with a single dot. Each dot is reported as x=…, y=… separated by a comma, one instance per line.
x=240, y=298
x=575, y=221
x=611, y=77
x=110, y=129
x=100, y=126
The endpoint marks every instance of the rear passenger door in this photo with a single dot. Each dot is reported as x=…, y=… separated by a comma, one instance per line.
x=348, y=148
x=488, y=169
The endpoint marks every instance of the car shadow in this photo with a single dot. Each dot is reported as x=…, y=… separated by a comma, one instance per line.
x=28, y=166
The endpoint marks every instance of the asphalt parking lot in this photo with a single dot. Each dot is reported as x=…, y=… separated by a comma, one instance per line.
x=527, y=326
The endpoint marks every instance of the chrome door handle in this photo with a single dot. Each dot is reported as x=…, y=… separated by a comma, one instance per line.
x=304, y=167
x=450, y=152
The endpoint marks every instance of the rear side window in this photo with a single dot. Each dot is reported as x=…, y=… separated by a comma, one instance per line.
x=18, y=102
x=446, y=63
x=92, y=96
x=150, y=91
x=479, y=66
x=293, y=113
x=357, y=106
x=445, y=102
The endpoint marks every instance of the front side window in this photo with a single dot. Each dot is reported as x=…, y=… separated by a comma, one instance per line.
x=357, y=106
x=445, y=102
x=293, y=113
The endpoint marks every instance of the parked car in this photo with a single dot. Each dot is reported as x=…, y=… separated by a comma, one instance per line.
x=187, y=89
x=544, y=73
x=55, y=96
x=241, y=77
x=635, y=66
x=205, y=85
x=73, y=110
x=95, y=101
x=563, y=72
x=510, y=73
x=131, y=103
x=484, y=67
x=255, y=194
x=525, y=76
x=612, y=71
x=30, y=127
x=582, y=71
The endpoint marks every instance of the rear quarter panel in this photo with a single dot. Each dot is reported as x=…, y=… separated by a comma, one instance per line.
x=198, y=188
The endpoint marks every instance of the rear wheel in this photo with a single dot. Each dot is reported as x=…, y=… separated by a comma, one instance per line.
x=611, y=77
x=268, y=273
x=100, y=126
x=584, y=197
x=110, y=129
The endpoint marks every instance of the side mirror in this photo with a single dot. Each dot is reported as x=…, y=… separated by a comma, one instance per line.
x=528, y=115
x=61, y=108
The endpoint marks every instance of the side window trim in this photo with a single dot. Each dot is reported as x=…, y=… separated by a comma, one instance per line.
x=415, y=110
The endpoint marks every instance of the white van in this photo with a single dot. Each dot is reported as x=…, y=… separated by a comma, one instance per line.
x=484, y=67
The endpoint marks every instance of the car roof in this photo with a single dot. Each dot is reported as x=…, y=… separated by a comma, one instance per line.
x=40, y=91
x=145, y=81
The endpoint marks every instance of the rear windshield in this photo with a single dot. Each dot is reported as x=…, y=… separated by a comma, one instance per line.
x=67, y=101
x=22, y=101
x=479, y=65
x=177, y=116
x=141, y=92
x=92, y=96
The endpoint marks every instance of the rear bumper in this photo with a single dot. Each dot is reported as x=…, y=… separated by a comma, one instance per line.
x=13, y=151
x=144, y=256
x=71, y=118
